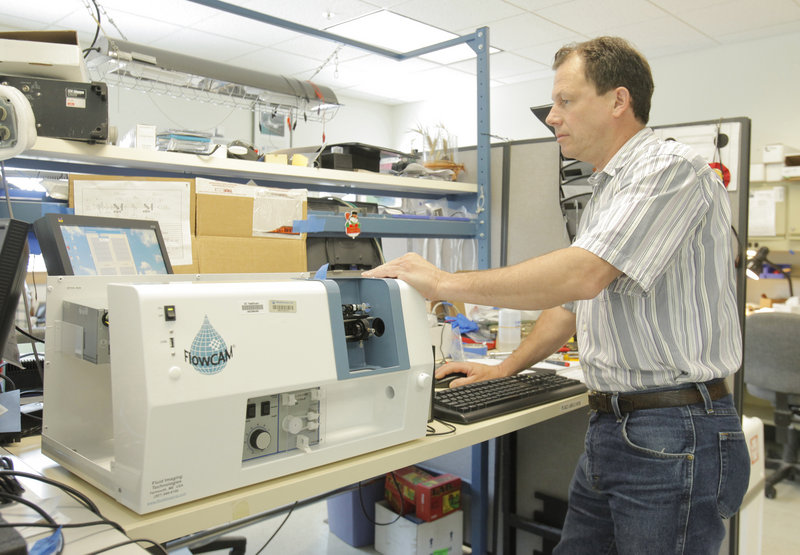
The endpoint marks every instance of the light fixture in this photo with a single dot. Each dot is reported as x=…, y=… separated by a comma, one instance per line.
x=140, y=67
x=756, y=264
x=402, y=34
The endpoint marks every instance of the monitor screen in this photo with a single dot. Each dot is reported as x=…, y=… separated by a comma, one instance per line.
x=91, y=245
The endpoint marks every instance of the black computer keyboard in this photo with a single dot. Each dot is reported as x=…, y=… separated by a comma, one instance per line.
x=481, y=400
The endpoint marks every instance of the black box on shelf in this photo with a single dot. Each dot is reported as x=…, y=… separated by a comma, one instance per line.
x=336, y=161
x=363, y=157
x=65, y=109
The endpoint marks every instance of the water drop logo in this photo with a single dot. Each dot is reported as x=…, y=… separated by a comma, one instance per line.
x=208, y=354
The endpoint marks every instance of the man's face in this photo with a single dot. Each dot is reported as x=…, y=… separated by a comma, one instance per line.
x=580, y=117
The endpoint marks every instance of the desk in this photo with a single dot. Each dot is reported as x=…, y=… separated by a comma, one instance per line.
x=224, y=508
x=63, y=508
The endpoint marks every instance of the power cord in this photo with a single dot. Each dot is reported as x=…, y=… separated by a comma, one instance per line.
x=10, y=489
x=432, y=431
x=9, y=484
x=275, y=533
x=364, y=508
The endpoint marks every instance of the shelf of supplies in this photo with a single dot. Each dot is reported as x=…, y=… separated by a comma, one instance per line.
x=322, y=224
x=76, y=156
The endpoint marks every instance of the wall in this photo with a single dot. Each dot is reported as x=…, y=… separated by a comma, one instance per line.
x=758, y=79
x=128, y=107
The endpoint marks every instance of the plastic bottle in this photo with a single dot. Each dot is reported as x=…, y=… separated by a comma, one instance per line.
x=509, y=330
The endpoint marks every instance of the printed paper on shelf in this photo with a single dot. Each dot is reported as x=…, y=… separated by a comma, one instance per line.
x=167, y=202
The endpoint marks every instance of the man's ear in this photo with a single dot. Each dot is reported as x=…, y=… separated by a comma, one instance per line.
x=622, y=101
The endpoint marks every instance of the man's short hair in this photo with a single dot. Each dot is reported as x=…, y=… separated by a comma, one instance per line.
x=611, y=62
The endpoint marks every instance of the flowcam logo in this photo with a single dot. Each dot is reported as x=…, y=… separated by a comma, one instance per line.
x=208, y=354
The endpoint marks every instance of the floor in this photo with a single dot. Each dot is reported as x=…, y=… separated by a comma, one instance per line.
x=306, y=531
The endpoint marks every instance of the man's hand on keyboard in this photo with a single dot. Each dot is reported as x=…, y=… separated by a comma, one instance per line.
x=475, y=372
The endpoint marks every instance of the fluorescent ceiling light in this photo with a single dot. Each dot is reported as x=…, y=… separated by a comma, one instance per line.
x=402, y=34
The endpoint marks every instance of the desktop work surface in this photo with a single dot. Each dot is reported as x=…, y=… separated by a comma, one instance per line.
x=216, y=512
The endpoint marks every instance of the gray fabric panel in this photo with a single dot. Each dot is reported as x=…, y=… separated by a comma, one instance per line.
x=772, y=351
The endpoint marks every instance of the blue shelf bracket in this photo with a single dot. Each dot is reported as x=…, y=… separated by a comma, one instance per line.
x=480, y=44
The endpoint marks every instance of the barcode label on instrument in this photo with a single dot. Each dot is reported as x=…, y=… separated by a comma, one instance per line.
x=283, y=306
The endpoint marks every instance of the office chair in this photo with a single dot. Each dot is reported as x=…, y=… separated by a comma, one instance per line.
x=772, y=372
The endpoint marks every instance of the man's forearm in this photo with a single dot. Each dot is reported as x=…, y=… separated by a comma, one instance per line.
x=552, y=330
x=536, y=284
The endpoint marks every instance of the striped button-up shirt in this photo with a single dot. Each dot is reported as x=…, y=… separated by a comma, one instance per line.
x=659, y=214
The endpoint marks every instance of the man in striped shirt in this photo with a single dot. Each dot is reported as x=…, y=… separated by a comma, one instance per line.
x=648, y=287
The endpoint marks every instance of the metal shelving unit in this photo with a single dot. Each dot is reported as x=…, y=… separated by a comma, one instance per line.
x=54, y=154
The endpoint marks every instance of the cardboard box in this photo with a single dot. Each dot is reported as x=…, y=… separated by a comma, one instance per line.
x=410, y=536
x=194, y=267
x=776, y=153
x=49, y=54
x=223, y=209
x=773, y=172
x=790, y=172
x=437, y=497
x=406, y=478
x=227, y=209
x=247, y=255
x=758, y=172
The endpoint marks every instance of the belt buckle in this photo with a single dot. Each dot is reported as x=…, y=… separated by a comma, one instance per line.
x=602, y=401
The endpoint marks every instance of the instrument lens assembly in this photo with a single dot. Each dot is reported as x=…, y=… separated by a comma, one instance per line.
x=358, y=324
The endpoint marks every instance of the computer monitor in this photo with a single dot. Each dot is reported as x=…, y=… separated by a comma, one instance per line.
x=94, y=245
x=13, y=268
x=541, y=113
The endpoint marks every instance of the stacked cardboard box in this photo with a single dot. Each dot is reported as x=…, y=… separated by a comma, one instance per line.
x=228, y=228
x=230, y=232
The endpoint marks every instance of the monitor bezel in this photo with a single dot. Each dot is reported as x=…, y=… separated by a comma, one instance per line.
x=54, y=250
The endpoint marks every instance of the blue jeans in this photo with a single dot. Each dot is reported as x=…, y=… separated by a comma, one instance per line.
x=657, y=481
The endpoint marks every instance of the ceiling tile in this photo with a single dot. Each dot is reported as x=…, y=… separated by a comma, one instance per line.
x=203, y=45
x=678, y=6
x=141, y=30
x=535, y=5
x=525, y=77
x=370, y=69
x=319, y=49
x=46, y=11
x=528, y=32
x=503, y=65
x=318, y=14
x=663, y=36
x=525, y=30
x=741, y=15
x=179, y=12
x=544, y=53
x=759, y=33
x=453, y=15
x=248, y=30
x=589, y=17
x=391, y=31
x=13, y=23
x=78, y=20
x=270, y=61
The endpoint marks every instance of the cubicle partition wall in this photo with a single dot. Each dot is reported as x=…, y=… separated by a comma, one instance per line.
x=525, y=219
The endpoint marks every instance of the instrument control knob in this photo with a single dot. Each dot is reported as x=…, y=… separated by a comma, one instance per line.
x=260, y=439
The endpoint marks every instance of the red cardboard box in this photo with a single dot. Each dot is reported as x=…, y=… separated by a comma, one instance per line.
x=402, y=502
x=437, y=497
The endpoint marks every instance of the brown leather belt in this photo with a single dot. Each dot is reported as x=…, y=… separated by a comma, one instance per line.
x=629, y=402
